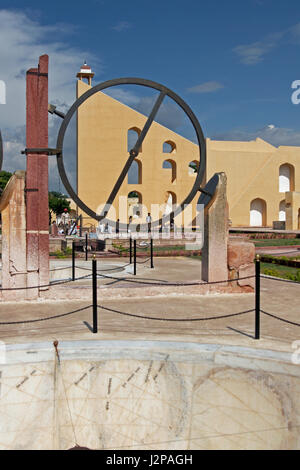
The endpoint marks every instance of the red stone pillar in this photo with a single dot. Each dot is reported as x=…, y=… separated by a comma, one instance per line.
x=37, y=218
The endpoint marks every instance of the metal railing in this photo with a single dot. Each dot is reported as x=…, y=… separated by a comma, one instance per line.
x=95, y=306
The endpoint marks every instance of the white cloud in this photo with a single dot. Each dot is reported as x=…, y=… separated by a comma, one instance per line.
x=169, y=114
x=207, y=87
x=22, y=41
x=254, y=53
x=295, y=33
x=124, y=96
x=274, y=135
x=121, y=26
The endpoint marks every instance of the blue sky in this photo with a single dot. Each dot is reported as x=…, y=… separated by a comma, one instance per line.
x=233, y=62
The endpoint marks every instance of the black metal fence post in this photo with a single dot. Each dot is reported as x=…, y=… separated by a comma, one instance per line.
x=95, y=308
x=130, y=250
x=134, y=257
x=80, y=225
x=73, y=260
x=257, y=297
x=86, y=246
x=151, y=252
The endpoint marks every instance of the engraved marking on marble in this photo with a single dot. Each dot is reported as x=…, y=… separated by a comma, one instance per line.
x=109, y=386
x=148, y=372
x=84, y=375
x=81, y=378
x=21, y=383
x=130, y=377
x=161, y=367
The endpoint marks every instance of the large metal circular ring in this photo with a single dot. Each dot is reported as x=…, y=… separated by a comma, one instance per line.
x=149, y=84
x=1, y=151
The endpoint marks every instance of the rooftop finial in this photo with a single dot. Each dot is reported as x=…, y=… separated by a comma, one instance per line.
x=86, y=72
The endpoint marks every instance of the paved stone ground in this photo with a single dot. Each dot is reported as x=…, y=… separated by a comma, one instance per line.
x=165, y=269
x=277, y=297
x=231, y=405
x=289, y=251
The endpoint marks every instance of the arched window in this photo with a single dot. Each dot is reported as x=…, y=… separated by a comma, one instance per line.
x=171, y=166
x=282, y=215
x=135, y=195
x=286, y=178
x=132, y=136
x=258, y=213
x=169, y=147
x=134, y=175
x=193, y=168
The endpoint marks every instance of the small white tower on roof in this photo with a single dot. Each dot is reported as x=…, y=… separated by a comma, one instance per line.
x=85, y=72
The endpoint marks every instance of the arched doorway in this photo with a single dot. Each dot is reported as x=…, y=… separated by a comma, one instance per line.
x=258, y=213
x=282, y=214
x=286, y=178
x=170, y=201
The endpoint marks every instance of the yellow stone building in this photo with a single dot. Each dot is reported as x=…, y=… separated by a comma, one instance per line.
x=263, y=181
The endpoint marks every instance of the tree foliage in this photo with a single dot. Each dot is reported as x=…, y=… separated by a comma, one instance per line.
x=58, y=204
x=133, y=194
x=193, y=166
x=4, y=177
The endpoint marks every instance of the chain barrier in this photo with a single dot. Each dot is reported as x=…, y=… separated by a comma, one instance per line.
x=279, y=318
x=54, y=283
x=177, y=283
x=95, y=306
x=174, y=319
x=60, y=269
x=47, y=318
x=279, y=279
x=105, y=270
x=143, y=262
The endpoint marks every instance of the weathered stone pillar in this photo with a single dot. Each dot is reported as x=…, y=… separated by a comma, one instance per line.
x=292, y=206
x=37, y=213
x=214, y=252
x=241, y=255
x=13, y=211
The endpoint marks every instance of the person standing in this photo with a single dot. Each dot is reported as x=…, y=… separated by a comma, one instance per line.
x=129, y=223
x=149, y=220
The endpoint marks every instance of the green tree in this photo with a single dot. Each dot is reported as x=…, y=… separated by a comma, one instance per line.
x=4, y=177
x=133, y=194
x=58, y=204
x=193, y=166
